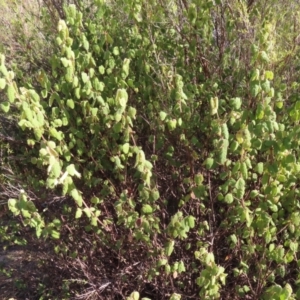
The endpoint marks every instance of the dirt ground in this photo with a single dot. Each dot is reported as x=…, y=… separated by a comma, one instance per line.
x=18, y=266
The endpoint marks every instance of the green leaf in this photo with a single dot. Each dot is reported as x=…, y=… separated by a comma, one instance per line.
x=101, y=70
x=125, y=68
x=228, y=198
x=235, y=103
x=134, y=296
x=294, y=246
x=87, y=211
x=214, y=105
x=56, y=169
x=34, y=96
x=3, y=70
x=147, y=209
x=264, y=56
x=5, y=106
x=162, y=262
x=199, y=179
x=209, y=259
x=62, y=26
x=192, y=13
x=13, y=206
x=66, y=63
x=31, y=207
x=268, y=237
x=94, y=221
x=85, y=44
x=78, y=213
x=118, y=117
x=132, y=112
x=259, y=168
x=84, y=77
x=224, y=144
x=273, y=292
x=167, y=269
x=169, y=248
x=266, y=86
x=254, y=89
x=75, y=81
x=199, y=191
x=162, y=115
x=209, y=163
x=172, y=124
x=288, y=291
x=240, y=188
x=121, y=97
x=181, y=267
x=225, y=132
x=191, y=221
x=77, y=197
x=40, y=118
x=2, y=83
x=55, y=234
x=94, y=111
x=72, y=171
x=125, y=148
x=95, y=200
x=116, y=51
x=279, y=104
x=11, y=93
x=244, y=170
x=234, y=239
x=175, y=296
x=56, y=134
x=255, y=75
x=155, y=195
x=138, y=17
x=70, y=103
x=234, y=146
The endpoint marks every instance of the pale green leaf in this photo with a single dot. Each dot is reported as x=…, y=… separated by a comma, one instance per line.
x=72, y=171
x=147, y=209
x=11, y=93
x=169, y=248
x=5, y=106
x=70, y=103
x=2, y=83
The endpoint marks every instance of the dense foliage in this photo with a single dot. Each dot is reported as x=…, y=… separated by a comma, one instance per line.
x=157, y=151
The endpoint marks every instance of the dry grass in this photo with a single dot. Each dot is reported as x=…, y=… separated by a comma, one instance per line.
x=25, y=16
x=23, y=36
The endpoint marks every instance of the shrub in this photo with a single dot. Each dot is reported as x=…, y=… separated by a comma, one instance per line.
x=173, y=142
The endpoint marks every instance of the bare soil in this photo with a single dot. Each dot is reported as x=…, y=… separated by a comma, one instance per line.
x=20, y=267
